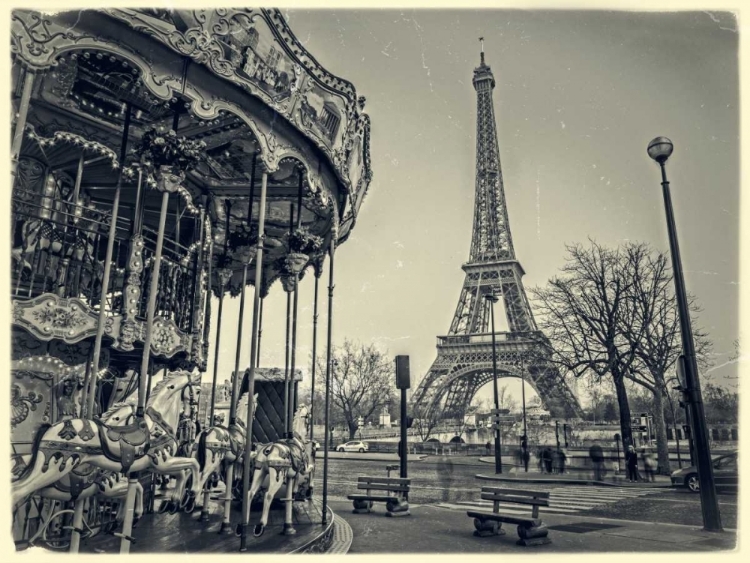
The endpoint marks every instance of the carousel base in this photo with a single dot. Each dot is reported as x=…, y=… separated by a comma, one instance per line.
x=185, y=533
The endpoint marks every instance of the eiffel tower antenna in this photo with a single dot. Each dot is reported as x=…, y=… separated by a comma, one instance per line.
x=464, y=359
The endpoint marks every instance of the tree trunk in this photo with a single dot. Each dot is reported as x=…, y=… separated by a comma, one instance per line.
x=352, y=428
x=662, y=447
x=624, y=408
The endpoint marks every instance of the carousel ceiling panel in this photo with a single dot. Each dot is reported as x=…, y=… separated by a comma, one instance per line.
x=255, y=49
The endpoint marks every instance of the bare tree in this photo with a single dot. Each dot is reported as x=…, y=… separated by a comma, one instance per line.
x=362, y=380
x=653, y=330
x=426, y=419
x=581, y=311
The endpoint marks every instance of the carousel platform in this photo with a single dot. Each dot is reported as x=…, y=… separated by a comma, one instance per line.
x=184, y=533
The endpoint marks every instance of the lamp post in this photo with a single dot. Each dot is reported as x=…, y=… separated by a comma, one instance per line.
x=492, y=298
x=525, y=439
x=660, y=150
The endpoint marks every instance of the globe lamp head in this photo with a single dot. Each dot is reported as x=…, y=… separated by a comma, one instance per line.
x=660, y=149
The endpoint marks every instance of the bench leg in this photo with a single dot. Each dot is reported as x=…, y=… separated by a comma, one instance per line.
x=362, y=506
x=397, y=507
x=486, y=528
x=536, y=535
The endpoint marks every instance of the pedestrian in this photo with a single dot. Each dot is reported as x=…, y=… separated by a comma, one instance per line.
x=555, y=461
x=488, y=446
x=561, y=459
x=649, y=465
x=548, y=460
x=631, y=459
x=597, y=459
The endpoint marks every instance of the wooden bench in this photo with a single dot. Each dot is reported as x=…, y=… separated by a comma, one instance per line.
x=531, y=531
x=395, y=495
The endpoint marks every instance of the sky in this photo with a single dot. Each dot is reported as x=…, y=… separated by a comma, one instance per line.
x=579, y=95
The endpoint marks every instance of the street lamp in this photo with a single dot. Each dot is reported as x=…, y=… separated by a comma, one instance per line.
x=492, y=298
x=525, y=439
x=660, y=150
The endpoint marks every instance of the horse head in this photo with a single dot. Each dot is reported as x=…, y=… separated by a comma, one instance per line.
x=166, y=396
x=302, y=421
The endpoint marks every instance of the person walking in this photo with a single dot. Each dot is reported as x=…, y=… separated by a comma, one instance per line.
x=649, y=465
x=597, y=460
x=488, y=446
x=631, y=459
x=561, y=459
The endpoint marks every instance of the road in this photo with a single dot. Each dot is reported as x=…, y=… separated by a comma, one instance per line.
x=449, y=482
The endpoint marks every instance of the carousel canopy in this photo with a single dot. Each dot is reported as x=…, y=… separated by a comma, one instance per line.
x=237, y=80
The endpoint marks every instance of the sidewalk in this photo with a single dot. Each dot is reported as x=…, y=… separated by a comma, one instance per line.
x=575, y=476
x=367, y=456
x=431, y=529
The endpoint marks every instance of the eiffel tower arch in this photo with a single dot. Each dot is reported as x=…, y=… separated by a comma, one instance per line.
x=464, y=356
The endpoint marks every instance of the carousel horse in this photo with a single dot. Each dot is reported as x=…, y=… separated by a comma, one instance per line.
x=284, y=461
x=146, y=445
x=86, y=481
x=218, y=445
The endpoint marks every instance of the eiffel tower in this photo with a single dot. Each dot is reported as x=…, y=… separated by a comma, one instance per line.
x=464, y=355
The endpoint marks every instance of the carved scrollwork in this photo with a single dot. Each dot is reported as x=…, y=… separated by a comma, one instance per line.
x=202, y=48
x=167, y=340
x=49, y=316
x=22, y=405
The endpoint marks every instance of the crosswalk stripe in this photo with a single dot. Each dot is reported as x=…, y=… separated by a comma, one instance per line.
x=562, y=500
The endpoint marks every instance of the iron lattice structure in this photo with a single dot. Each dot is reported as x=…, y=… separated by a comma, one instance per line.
x=464, y=359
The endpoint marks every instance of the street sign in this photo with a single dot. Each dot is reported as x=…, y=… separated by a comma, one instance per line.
x=640, y=428
x=500, y=411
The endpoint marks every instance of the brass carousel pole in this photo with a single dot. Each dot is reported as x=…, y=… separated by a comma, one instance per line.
x=318, y=272
x=107, y=270
x=329, y=359
x=226, y=524
x=89, y=386
x=223, y=274
x=287, y=419
x=260, y=329
x=166, y=187
x=251, y=375
x=23, y=111
x=291, y=397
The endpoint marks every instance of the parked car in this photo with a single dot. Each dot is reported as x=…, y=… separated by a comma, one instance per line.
x=360, y=447
x=725, y=475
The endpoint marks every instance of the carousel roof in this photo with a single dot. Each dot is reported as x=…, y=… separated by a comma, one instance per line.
x=237, y=80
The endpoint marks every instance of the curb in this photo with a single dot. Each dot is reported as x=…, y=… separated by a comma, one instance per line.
x=342, y=537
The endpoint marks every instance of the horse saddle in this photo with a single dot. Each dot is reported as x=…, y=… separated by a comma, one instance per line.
x=298, y=455
x=124, y=443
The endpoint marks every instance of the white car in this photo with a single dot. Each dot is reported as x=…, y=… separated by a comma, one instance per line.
x=360, y=447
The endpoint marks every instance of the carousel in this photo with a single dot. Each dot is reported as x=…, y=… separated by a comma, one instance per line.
x=164, y=161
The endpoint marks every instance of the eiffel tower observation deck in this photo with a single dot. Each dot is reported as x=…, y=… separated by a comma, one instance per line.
x=464, y=356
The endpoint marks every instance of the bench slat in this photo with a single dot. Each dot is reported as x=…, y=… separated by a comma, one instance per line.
x=384, y=480
x=518, y=492
x=515, y=500
x=398, y=488
x=374, y=498
x=533, y=522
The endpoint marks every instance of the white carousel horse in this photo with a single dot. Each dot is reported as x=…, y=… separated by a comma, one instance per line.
x=86, y=481
x=218, y=444
x=283, y=461
x=146, y=445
